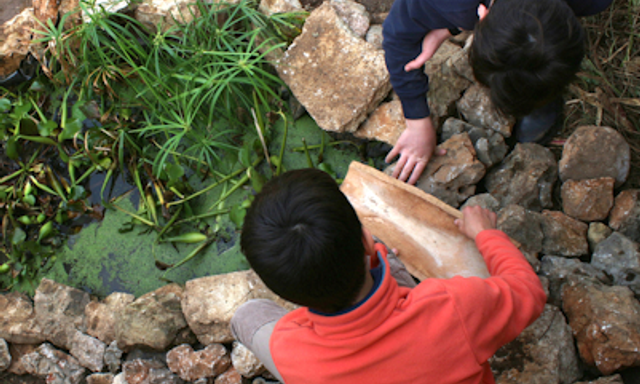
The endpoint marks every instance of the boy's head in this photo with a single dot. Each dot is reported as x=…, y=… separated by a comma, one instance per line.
x=305, y=241
x=527, y=52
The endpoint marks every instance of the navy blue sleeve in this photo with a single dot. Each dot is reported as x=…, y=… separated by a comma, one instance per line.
x=588, y=7
x=404, y=29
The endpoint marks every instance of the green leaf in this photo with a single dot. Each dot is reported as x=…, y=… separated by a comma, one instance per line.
x=18, y=237
x=77, y=192
x=174, y=171
x=244, y=155
x=21, y=109
x=70, y=129
x=46, y=128
x=12, y=148
x=237, y=215
x=5, y=104
x=257, y=180
x=28, y=126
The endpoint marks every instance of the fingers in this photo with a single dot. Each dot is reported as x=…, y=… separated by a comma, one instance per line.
x=417, y=171
x=418, y=62
x=440, y=151
x=392, y=154
x=400, y=165
x=407, y=169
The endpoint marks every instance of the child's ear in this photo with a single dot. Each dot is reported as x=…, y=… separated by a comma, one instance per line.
x=368, y=242
x=483, y=11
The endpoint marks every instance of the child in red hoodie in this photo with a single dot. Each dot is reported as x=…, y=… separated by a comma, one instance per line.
x=364, y=320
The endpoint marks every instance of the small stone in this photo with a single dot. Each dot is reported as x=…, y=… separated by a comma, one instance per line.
x=563, y=235
x=615, y=379
x=385, y=124
x=452, y=178
x=619, y=257
x=543, y=353
x=230, y=377
x=525, y=177
x=141, y=371
x=593, y=152
x=191, y=365
x=100, y=316
x=484, y=200
x=353, y=15
x=18, y=320
x=446, y=50
x=60, y=312
x=245, y=362
x=5, y=356
x=606, y=323
x=271, y=7
x=374, y=36
x=558, y=269
x=625, y=215
x=119, y=379
x=88, y=350
x=476, y=107
x=17, y=351
x=55, y=365
x=596, y=233
x=489, y=145
x=588, y=200
x=113, y=357
x=523, y=226
x=444, y=91
x=100, y=378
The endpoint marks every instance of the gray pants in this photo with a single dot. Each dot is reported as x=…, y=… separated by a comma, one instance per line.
x=254, y=321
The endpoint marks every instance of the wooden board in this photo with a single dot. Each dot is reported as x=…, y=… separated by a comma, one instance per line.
x=419, y=225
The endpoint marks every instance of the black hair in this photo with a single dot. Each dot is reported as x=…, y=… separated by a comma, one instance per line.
x=303, y=238
x=526, y=52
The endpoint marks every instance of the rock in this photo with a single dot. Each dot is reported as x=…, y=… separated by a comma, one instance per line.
x=88, y=350
x=489, y=145
x=55, y=365
x=444, y=91
x=5, y=356
x=340, y=83
x=119, y=379
x=615, y=379
x=459, y=62
x=190, y=365
x=619, y=257
x=563, y=235
x=15, y=36
x=485, y=200
x=17, y=351
x=452, y=178
x=230, y=377
x=113, y=357
x=606, y=323
x=596, y=233
x=18, y=320
x=436, y=63
x=525, y=177
x=100, y=378
x=588, y=200
x=523, y=226
x=543, y=353
x=557, y=269
x=532, y=258
x=100, y=316
x=385, y=124
x=164, y=14
x=374, y=36
x=153, y=320
x=593, y=152
x=209, y=303
x=271, y=7
x=60, y=312
x=141, y=371
x=353, y=15
x=245, y=362
x=476, y=107
x=625, y=215
x=111, y=6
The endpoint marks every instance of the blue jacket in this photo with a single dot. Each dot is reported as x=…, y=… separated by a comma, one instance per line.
x=410, y=20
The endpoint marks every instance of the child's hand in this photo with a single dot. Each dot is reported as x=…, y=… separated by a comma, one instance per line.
x=475, y=220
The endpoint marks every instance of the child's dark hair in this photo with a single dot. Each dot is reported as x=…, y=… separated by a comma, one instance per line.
x=304, y=239
x=527, y=52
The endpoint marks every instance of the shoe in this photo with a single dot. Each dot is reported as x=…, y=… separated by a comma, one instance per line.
x=541, y=125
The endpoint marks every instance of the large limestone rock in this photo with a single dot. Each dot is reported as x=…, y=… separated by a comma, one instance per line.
x=15, y=35
x=523, y=226
x=153, y=321
x=271, y=7
x=385, y=124
x=100, y=316
x=543, y=353
x=209, y=303
x=245, y=362
x=165, y=13
x=18, y=320
x=477, y=109
x=593, y=152
x=563, y=235
x=558, y=269
x=336, y=75
x=60, y=312
x=625, y=215
x=619, y=257
x=54, y=365
x=606, y=323
x=5, y=355
x=445, y=89
x=88, y=350
x=354, y=15
x=525, y=177
x=453, y=177
x=588, y=200
x=17, y=351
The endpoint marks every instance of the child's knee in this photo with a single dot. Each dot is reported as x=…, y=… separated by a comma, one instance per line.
x=251, y=316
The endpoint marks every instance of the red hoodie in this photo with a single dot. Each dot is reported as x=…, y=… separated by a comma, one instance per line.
x=442, y=331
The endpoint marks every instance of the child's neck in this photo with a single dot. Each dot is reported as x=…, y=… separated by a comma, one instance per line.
x=366, y=288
